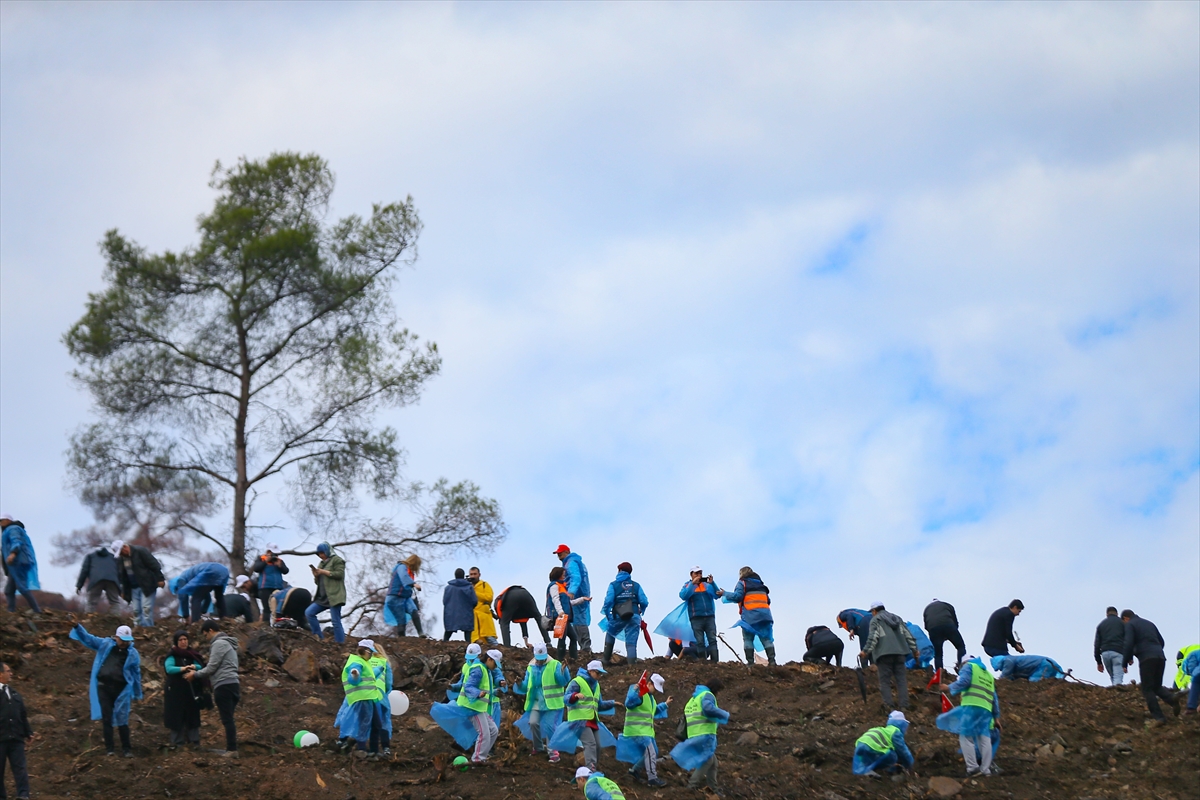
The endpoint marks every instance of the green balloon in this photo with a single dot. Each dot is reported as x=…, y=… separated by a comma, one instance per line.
x=296, y=739
x=462, y=763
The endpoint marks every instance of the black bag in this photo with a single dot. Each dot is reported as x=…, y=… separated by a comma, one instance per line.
x=203, y=697
x=681, y=729
x=624, y=607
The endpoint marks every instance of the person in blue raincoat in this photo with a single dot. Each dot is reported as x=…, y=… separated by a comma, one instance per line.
x=1029, y=667
x=597, y=786
x=1191, y=668
x=883, y=749
x=977, y=716
x=857, y=623
x=194, y=585
x=499, y=683
x=356, y=719
x=467, y=718
x=623, y=607
x=584, y=706
x=578, y=587
x=700, y=595
x=637, y=744
x=924, y=648
x=115, y=683
x=754, y=603
x=698, y=753
x=400, y=607
x=543, y=686
x=19, y=564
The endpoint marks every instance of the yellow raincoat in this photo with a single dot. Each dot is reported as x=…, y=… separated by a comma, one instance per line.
x=484, y=626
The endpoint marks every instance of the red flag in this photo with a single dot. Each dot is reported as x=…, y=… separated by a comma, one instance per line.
x=646, y=633
x=937, y=678
x=946, y=704
x=643, y=684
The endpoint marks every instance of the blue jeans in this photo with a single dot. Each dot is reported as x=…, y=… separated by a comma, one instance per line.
x=705, y=631
x=335, y=614
x=143, y=607
x=11, y=587
x=1114, y=664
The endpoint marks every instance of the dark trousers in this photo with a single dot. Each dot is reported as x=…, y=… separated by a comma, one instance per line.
x=225, y=698
x=541, y=626
x=107, y=694
x=890, y=667
x=705, y=631
x=826, y=651
x=562, y=643
x=264, y=600
x=466, y=635
x=1150, y=672
x=939, y=636
x=997, y=651
x=10, y=593
x=201, y=594
x=14, y=753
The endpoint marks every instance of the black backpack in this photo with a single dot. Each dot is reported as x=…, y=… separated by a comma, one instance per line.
x=623, y=602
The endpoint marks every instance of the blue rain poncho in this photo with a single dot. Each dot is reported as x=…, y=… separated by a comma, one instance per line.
x=868, y=760
x=1032, y=668
x=677, y=625
x=578, y=585
x=353, y=720
x=631, y=749
x=132, y=674
x=924, y=647
x=455, y=719
x=566, y=735
x=205, y=574
x=614, y=626
x=24, y=569
x=695, y=751
x=969, y=721
x=399, y=605
x=550, y=717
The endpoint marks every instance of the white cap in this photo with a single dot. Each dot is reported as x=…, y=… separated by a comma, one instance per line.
x=125, y=633
x=272, y=547
x=582, y=772
x=116, y=546
x=7, y=516
x=658, y=681
x=495, y=655
x=697, y=569
x=240, y=579
x=896, y=716
x=367, y=643
x=474, y=650
x=965, y=659
x=875, y=605
x=597, y=666
x=540, y=652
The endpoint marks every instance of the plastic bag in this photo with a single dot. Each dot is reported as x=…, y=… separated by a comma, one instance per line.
x=560, y=626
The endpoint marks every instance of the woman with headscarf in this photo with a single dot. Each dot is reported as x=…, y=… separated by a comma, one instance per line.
x=181, y=711
x=400, y=607
x=330, y=576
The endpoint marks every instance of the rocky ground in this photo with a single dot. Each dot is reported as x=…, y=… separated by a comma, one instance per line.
x=791, y=735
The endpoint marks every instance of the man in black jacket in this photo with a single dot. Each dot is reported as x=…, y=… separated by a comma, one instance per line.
x=823, y=643
x=99, y=571
x=14, y=732
x=141, y=576
x=1143, y=640
x=999, y=633
x=1109, y=647
x=516, y=604
x=941, y=622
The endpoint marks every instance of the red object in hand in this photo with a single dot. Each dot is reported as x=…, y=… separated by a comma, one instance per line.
x=946, y=704
x=643, y=685
x=937, y=678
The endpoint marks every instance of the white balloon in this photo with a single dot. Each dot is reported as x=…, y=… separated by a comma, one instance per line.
x=309, y=740
x=399, y=702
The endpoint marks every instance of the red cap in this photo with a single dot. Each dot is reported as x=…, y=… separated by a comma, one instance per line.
x=562, y=548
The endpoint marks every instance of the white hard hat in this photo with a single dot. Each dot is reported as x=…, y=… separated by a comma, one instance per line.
x=367, y=643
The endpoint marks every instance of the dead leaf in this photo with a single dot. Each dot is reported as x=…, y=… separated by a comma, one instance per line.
x=320, y=782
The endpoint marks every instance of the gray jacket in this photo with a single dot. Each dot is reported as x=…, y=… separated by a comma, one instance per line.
x=889, y=636
x=222, y=661
x=98, y=565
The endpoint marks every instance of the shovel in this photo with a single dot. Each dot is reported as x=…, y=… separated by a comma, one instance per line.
x=862, y=679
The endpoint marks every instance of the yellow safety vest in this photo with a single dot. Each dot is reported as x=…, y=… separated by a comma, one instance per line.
x=606, y=785
x=551, y=691
x=483, y=702
x=1182, y=679
x=366, y=688
x=639, y=720
x=879, y=739
x=982, y=689
x=693, y=712
x=380, y=663
x=586, y=706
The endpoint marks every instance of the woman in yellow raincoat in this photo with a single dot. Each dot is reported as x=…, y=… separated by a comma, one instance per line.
x=485, y=627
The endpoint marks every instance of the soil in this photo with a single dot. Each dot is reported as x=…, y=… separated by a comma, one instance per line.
x=791, y=735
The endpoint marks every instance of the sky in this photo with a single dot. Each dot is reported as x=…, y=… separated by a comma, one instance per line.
x=886, y=301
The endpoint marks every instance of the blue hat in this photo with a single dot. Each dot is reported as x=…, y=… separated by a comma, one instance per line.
x=324, y=547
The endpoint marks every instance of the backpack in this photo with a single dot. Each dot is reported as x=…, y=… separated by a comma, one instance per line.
x=623, y=602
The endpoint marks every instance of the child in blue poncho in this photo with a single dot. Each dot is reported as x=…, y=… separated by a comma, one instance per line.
x=977, y=717
x=543, y=686
x=883, y=749
x=698, y=753
x=636, y=745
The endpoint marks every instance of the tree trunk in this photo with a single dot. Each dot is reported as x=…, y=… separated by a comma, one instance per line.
x=237, y=553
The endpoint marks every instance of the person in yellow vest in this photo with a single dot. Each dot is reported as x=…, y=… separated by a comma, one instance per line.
x=596, y=786
x=883, y=749
x=698, y=753
x=543, y=686
x=978, y=713
x=636, y=745
x=485, y=626
x=476, y=697
x=356, y=718
x=584, y=705
x=381, y=667
x=1183, y=679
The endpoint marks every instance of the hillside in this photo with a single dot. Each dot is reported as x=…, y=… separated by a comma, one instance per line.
x=791, y=733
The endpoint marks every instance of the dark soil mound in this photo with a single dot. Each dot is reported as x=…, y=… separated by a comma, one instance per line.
x=791, y=735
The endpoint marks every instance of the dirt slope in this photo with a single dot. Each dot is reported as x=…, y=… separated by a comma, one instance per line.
x=791, y=734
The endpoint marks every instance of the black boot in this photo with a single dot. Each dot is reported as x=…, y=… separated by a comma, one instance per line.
x=608, y=648
x=749, y=656
x=770, y=654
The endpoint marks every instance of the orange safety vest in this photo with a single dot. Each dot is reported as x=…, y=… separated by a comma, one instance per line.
x=754, y=600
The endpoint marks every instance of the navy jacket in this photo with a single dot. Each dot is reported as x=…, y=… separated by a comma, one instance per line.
x=14, y=722
x=98, y=565
x=1110, y=636
x=1143, y=640
x=458, y=605
x=999, y=633
x=940, y=614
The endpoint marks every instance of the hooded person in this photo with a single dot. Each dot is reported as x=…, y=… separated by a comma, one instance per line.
x=543, y=686
x=458, y=606
x=883, y=749
x=222, y=673
x=400, y=606
x=888, y=645
x=196, y=584
x=624, y=604
x=485, y=626
x=19, y=563
x=268, y=572
x=330, y=577
x=1028, y=667
x=116, y=681
x=976, y=717
x=468, y=718
x=637, y=744
x=754, y=603
x=356, y=718
x=181, y=709
x=596, y=786
x=698, y=752
x=579, y=588
x=584, y=705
